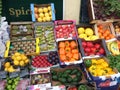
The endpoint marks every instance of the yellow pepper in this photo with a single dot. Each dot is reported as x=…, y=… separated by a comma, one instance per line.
x=94, y=61
x=105, y=64
x=93, y=67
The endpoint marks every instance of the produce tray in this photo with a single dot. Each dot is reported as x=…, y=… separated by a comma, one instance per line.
x=65, y=29
x=21, y=30
x=105, y=27
x=35, y=9
x=44, y=31
x=86, y=27
x=63, y=70
x=29, y=47
x=104, y=81
x=116, y=27
x=68, y=54
x=93, y=15
x=88, y=86
x=102, y=44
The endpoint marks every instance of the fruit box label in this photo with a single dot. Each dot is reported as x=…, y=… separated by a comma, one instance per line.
x=24, y=73
x=107, y=83
x=3, y=74
x=13, y=74
x=41, y=70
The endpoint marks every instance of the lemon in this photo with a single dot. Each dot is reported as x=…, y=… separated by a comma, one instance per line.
x=7, y=64
x=27, y=61
x=44, y=19
x=49, y=8
x=82, y=36
x=50, y=13
x=23, y=57
x=48, y=18
x=40, y=10
x=89, y=31
x=17, y=54
x=6, y=69
x=45, y=10
x=16, y=62
x=22, y=63
x=94, y=37
x=41, y=15
x=18, y=58
x=81, y=30
x=46, y=14
x=39, y=19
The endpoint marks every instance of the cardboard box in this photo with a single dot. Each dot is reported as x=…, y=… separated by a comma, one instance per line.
x=21, y=30
x=52, y=10
x=65, y=29
x=29, y=47
x=106, y=26
x=86, y=26
x=67, y=57
x=100, y=41
x=92, y=15
x=45, y=32
x=63, y=70
x=104, y=82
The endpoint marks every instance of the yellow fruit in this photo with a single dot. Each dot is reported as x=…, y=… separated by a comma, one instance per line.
x=82, y=36
x=40, y=10
x=50, y=13
x=26, y=61
x=18, y=58
x=46, y=14
x=7, y=64
x=48, y=18
x=13, y=57
x=39, y=19
x=23, y=57
x=22, y=63
x=41, y=15
x=11, y=69
x=17, y=54
x=94, y=37
x=16, y=62
x=44, y=19
x=81, y=30
x=6, y=69
x=89, y=31
x=49, y=8
x=45, y=10
x=87, y=38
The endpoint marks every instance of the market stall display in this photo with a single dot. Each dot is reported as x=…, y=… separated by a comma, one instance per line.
x=49, y=54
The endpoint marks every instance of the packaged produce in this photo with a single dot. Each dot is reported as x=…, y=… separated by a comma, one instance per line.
x=42, y=12
x=68, y=52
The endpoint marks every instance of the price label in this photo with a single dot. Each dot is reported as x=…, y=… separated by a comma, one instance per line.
x=3, y=74
x=14, y=74
x=24, y=73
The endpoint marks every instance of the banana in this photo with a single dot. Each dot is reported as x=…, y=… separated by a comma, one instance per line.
x=114, y=48
x=108, y=45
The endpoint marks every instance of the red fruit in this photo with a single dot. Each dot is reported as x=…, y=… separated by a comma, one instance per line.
x=84, y=44
x=101, y=51
x=74, y=88
x=87, y=49
x=90, y=44
x=97, y=46
x=97, y=53
x=93, y=49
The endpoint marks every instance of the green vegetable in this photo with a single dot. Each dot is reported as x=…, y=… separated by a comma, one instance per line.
x=63, y=80
x=69, y=79
x=82, y=87
x=76, y=79
x=74, y=71
x=64, y=75
x=88, y=63
x=79, y=74
x=68, y=71
x=60, y=74
x=54, y=77
x=54, y=72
